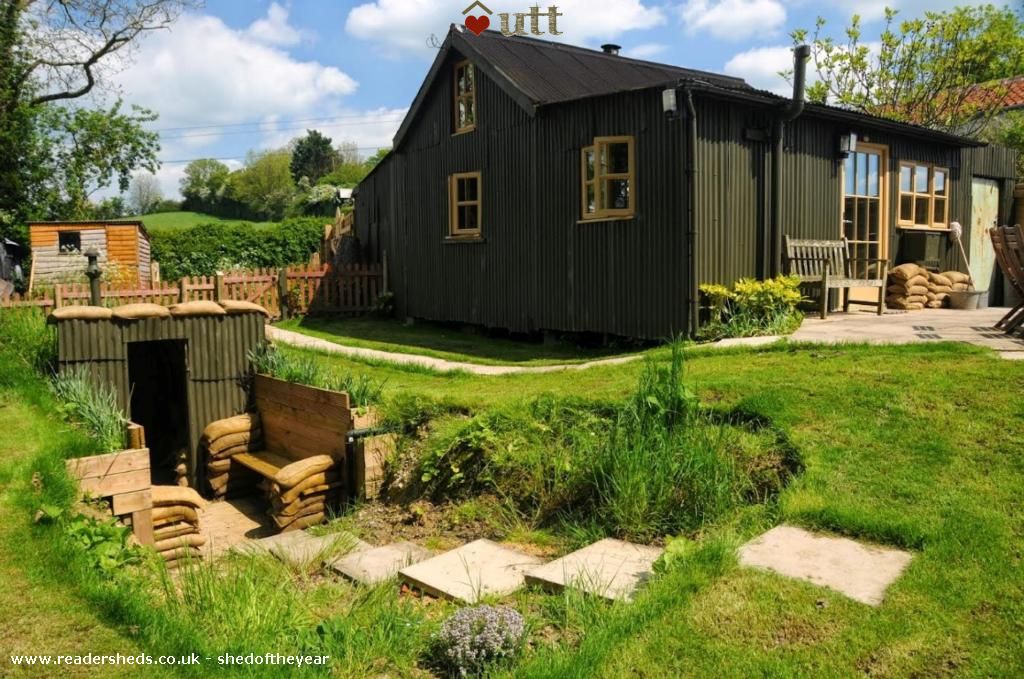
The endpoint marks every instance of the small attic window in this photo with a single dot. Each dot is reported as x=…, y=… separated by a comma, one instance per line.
x=465, y=97
x=69, y=242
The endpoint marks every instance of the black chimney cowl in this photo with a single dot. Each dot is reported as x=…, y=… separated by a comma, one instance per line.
x=611, y=48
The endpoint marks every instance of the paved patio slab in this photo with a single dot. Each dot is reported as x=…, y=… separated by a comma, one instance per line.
x=471, y=572
x=377, y=564
x=300, y=549
x=612, y=569
x=975, y=327
x=861, y=572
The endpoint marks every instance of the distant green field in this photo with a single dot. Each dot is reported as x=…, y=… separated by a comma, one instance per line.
x=164, y=221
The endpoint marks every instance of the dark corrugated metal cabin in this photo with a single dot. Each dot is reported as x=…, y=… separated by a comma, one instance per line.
x=172, y=375
x=492, y=224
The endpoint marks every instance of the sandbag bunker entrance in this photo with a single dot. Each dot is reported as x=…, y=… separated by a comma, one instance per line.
x=173, y=371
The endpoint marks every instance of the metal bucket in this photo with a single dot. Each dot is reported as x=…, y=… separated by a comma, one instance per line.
x=968, y=299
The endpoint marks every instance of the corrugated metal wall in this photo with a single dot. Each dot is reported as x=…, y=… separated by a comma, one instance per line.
x=217, y=348
x=536, y=268
x=733, y=181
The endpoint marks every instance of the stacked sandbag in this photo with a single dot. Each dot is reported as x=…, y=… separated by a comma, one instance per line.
x=939, y=287
x=301, y=492
x=221, y=441
x=961, y=282
x=907, y=287
x=176, y=523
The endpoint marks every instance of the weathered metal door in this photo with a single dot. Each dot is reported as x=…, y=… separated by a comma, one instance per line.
x=984, y=215
x=865, y=221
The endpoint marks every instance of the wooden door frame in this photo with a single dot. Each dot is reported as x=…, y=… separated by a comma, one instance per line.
x=885, y=235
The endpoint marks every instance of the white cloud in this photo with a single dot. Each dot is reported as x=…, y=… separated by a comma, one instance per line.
x=406, y=25
x=761, y=66
x=203, y=72
x=733, y=19
x=275, y=29
x=647, y=50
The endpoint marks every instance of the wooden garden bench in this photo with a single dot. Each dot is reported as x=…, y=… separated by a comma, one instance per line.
x=827, y=264
x=303, y=457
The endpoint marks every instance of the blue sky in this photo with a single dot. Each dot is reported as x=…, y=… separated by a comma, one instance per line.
x=237, y=75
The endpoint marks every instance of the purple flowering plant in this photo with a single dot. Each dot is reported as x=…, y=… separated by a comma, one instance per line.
x=475, y=638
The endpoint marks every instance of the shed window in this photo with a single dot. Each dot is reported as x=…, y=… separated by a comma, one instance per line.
x=465, y=204
x=608, y=178
x=465, y=97
x=69, y=242
x=924, y=196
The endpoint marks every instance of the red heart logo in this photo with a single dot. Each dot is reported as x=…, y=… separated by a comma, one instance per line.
x=478, y=24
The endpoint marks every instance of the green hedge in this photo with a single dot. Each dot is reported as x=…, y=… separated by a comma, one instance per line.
x=207, y=248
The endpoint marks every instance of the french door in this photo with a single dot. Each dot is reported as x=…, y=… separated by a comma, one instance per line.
x=865, y=215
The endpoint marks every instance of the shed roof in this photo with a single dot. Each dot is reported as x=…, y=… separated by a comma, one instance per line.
x=538, y=73
x=94, y=223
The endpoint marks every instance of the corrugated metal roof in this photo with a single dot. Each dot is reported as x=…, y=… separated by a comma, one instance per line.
x=550, y=72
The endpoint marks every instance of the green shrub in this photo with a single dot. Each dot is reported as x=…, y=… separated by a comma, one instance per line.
x=362, y=389
x=752, y=308
x=207, y=248
x=92, y=406
x=27, y=340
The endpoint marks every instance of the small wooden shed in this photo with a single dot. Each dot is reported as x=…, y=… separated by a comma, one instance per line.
x=173, y=371
x=58, y=250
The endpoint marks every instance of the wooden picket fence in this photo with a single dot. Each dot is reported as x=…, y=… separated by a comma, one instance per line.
x=309, y=289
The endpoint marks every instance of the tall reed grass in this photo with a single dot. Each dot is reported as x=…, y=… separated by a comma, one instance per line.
x=93, y=406
x=362, y=389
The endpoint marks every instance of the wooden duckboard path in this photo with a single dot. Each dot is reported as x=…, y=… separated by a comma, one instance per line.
x=229, y=523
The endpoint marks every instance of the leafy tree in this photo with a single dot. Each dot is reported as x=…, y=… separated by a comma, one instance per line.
x=144, y=193
x=312, y=157
x=936, y=71
x=204, y=184
x=265, y=185
x=1008, y=130
x=84, y=150
x=373, y=160
x=56, y=52
x=114, y=207
x=348, y=153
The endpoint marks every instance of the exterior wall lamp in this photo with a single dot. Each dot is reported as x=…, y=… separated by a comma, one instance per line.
x=847, y=144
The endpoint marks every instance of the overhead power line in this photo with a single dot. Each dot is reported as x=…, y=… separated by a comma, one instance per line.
x=278, y=129
x=373, y=149
x=257, y=123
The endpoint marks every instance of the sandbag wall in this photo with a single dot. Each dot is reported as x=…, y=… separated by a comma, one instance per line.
x=222, y=440
x=913, y=288
x=176, y=524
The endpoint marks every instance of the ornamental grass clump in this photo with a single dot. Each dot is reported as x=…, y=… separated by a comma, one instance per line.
x=475, y=639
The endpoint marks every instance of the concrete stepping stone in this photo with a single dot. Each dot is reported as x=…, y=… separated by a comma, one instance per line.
x=375, y=565
x=612, y=569
x=861, y=572
x=471, y=572
x=300, y=550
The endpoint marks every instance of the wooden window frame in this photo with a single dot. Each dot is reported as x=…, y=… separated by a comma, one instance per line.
x=930, y=195
x=69, y=253
x=454, y=204
x=600, y=177
x=458, y=96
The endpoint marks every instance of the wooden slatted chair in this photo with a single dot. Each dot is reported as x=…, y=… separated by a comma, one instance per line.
x=828, y=265
x=1008, y=243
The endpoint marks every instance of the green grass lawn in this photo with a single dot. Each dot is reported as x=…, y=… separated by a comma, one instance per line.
x=918, y=447
x=40, y=612
x=450, y=343
x=164, y=221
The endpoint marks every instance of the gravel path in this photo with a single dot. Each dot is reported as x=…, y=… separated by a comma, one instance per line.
x=306, y=342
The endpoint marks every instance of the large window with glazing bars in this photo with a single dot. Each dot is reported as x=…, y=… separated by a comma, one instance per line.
x=608, y=174
x=465, y=97
x=924, y=196
x=466, y=203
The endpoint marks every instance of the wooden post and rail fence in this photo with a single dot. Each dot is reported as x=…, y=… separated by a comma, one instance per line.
x=295, y=290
